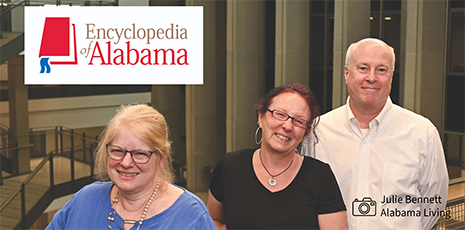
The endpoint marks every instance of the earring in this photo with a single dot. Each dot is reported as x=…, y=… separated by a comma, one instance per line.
x=256, y=133
x=297, y=149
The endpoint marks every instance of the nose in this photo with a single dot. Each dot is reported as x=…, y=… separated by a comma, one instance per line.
x=371, y=77
x=127, y=161
x=287, y=124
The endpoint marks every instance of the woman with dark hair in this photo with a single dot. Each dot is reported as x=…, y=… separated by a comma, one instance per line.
x=133, y=163
x=274, y=187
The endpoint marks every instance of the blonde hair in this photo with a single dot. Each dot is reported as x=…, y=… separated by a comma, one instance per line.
x=146, y=123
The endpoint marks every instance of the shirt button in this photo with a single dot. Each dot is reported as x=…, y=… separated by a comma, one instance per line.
x=363, y=168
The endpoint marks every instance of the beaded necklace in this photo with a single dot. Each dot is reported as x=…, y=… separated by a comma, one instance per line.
x=111, y=217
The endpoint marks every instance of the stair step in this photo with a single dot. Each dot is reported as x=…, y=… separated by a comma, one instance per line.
x=11, y=211
x=7, y=222
x=7, y=37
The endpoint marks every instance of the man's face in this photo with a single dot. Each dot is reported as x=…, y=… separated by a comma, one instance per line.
x=369, y=75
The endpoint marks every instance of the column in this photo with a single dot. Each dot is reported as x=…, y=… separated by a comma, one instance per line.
x=423, y=40
x=351, y=23
x=205, y=104
x=245, y=71
x=19, y=114
x=292, y=42
x=170, y=101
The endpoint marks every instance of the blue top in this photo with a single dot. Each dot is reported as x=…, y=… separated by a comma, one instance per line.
x=90, y=207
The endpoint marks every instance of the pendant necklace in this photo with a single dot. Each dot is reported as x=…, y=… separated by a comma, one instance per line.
x=272, y=182
x=115, y=200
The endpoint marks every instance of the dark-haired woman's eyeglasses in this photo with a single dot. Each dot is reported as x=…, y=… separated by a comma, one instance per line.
x=139, y=156
x=282, y=116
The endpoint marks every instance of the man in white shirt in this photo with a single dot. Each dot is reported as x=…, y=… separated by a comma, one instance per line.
x=388, y=161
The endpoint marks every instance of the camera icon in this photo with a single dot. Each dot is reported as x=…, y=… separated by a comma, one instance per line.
x=364, y=207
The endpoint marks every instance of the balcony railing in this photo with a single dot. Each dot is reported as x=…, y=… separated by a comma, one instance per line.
x=48, y=180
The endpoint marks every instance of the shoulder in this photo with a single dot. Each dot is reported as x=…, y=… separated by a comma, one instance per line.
x=315, y=164
x=93, y=195
x=189, y=204
x=333, y=118
x=188, y=212
x=237, y=156
x=406, y=117
x=193, y=200
x=240, y=153
x=335, y=113
x=96, y=188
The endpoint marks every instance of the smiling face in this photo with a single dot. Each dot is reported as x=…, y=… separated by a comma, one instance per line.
x=283, y=136
x=127, y=175
x=369, y=75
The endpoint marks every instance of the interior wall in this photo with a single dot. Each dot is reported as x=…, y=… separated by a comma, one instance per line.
x=74, y=112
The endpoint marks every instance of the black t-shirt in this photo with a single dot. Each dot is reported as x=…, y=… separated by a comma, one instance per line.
x=248, y=204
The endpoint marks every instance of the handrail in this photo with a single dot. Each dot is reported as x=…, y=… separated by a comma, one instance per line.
x=26, y=181
x=14, y=6
x=456, y=133
x=17, y=148
x=58, y=151
x=457, y=180
x=4, y=126
x=39, y=167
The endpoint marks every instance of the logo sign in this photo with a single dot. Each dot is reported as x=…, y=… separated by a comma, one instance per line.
x=114, y=45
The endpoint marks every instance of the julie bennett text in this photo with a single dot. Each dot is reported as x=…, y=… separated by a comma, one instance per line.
x=394, y=199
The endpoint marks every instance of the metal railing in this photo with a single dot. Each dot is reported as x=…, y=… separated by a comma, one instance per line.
x=453, y=216
x=65, y=146
x=7, y=7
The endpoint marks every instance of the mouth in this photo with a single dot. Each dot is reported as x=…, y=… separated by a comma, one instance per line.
x=127, y=174
x=284, y=138
x=370, y=88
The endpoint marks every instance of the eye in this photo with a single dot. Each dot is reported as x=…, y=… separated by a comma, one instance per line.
x=141, y=153
x=300, y=122
x=116, y=150
x=280, y=114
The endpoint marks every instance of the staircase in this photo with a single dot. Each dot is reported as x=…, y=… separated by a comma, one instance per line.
x=10, y=217
x=63, y=171
x=11, y=44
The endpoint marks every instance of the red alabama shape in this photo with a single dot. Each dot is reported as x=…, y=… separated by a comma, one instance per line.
x=55, y=39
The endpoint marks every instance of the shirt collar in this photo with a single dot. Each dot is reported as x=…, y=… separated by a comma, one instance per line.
x=352, y=122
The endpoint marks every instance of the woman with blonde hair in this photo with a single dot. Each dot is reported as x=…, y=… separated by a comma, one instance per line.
x=136, y=190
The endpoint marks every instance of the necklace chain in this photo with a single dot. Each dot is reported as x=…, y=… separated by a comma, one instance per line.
x=115, y=200
x=272, y=182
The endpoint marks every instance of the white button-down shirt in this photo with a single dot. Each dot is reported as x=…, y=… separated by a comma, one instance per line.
x=397, y=164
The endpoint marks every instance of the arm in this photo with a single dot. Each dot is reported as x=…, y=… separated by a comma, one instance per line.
x=57, y=222
x=216, y=211
x=434, y=179
x=333, y=221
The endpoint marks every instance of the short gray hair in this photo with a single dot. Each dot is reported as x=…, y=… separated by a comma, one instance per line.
x=353, y=46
